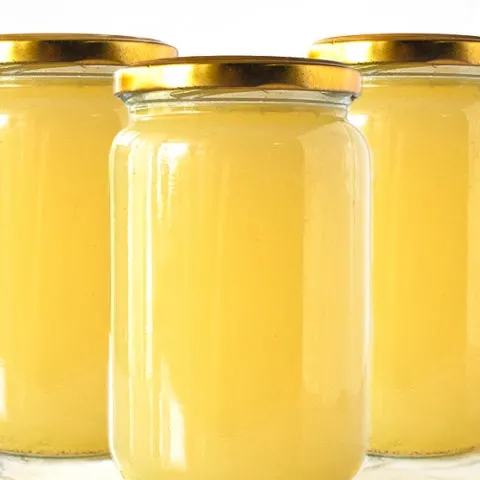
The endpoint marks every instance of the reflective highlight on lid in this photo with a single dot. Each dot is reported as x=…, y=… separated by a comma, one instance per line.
x=239, y=72
x=399, y=48
x=81, y=49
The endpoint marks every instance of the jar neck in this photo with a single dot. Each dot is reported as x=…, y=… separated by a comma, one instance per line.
x=64, y=70
x=140, y=103
x=416, y=70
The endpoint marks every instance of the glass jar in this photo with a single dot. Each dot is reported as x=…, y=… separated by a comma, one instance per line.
x=420, y=113
x=58, y=118
x=240, y=207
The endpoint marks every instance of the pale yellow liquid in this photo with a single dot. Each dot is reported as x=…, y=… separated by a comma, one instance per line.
x=424, y=136
x=239, y=341
x=54, y=264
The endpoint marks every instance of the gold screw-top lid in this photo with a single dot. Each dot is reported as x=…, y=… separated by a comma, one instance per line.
x=264, y=73
x=83, y=49
x=396, y=48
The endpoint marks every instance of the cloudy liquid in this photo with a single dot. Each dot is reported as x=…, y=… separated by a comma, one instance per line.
x=240, y=279
x=424, y=135
x=55, y=136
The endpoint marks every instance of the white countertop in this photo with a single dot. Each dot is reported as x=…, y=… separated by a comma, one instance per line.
x=465, y=467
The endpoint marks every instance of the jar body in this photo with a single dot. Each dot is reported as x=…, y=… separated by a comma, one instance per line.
x=424, y=131
x=239, y=308
x=55, y=134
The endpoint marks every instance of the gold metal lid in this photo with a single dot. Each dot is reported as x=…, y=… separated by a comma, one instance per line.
x=364, y=50
x=266, y=73
x=81, y=49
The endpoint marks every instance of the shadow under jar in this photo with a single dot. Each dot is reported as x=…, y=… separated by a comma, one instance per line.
x=420, y=113
x=58, y=118
x=240, y=209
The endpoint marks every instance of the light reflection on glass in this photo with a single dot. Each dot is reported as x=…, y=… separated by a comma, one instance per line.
x=134, y=218
x=169, y=156
x=131, y=412
x=4, y=119
x=149, y=272
x=130, y=256
x=177, y=445
x=172, y=424
x=125, y=139
x=357, y=119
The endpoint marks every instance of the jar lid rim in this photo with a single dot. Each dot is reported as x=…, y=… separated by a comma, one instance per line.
x=399, y=48
x=80, y=48
x=264, y=73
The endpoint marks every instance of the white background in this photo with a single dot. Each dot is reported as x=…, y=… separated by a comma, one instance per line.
x=256, y=27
